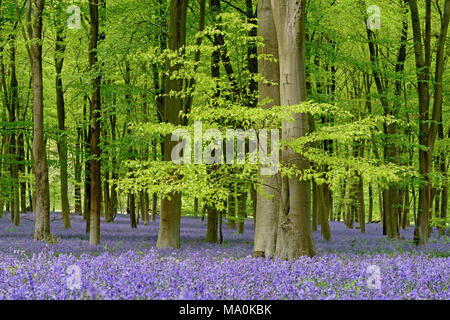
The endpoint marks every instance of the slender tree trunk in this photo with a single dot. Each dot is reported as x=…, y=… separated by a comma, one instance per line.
x=211, y=233
x=323, y=213
x=96, y=189
x=62, y=144
x=78, y=169
x=4, y=120
x=203, y=213
x=315, y=205
x=114, y=173
x=242, y=206
x=361, y=204
x=154, y=205
x=195, y=206
x=351, y=205
x=22, y=168
x=106, y=198
x=370, y=204
x=253, y=197
x=146, y=208
x=132, y=210
x=427, y=128
x=87, y=171
x=42, y=196
x=444, y=193
x=341, y=208
x=405, y=220
x=232, y=210
x=13, y=148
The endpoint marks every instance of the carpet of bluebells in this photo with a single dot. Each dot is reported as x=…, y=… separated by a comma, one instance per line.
x=128, y=266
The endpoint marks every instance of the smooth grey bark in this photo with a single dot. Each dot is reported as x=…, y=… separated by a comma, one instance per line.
x=268, y=199
x=294, y=237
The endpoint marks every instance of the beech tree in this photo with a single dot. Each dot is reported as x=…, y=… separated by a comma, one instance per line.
x=60, y=48
x=96, y=188
x=268, y=200
x=32, y=33
x=169, y=226
x=294, y=237
x=429, y=123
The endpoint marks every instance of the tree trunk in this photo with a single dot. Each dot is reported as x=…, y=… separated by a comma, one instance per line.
x=232, y=210
x=13, y=149
x=169, y=227
x=370, y=204
x=106, y=198
x=428, y=125
x=253, y=197
x=444, y=192
x=405, y=220
x=195, y=206
x=361, y=204
x=42, y=196
x=78, y=167
x=154, y=206
x=87, y=170
x=61, y=144
x=22, y=168
x=146, y=208
x=294, y=233
x=96, y=188
x=323, y=213
x=211, y=232
x=315, y=205
x=242, y=207
x=132, y=210
x=114, y=173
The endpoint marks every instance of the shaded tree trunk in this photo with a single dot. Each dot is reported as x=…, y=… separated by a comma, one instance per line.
x=96, y=189
x=132, y=210
x=232, y=210
x=77, y=168
x=427, y=128
x=212, y=230
x=61, y=144
x=242, y=206
x=39, y=153
x=13, y=147
x=315, y=206
x=154, y=205
x=370, y=204
x=169, y=227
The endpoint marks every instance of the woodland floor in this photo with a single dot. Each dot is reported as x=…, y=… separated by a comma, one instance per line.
x=127, y=266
